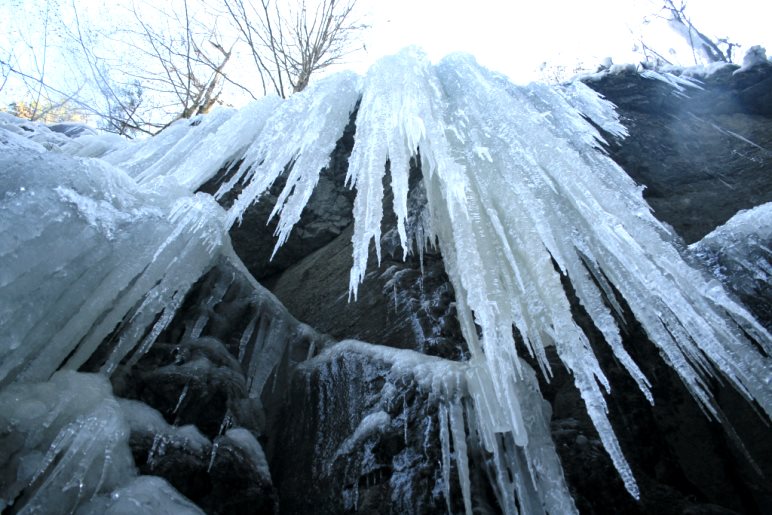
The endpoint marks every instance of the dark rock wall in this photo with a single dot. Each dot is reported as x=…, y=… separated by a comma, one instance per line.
x=703, y=156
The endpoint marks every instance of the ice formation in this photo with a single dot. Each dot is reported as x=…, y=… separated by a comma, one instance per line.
x=738, y=254
x=742, y=241
x=519, y=196
x=123, y=254
x=65, y=443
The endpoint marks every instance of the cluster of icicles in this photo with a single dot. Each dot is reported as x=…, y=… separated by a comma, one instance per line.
x=518, y=194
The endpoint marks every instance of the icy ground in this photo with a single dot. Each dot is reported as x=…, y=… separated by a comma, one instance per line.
x=97, y=232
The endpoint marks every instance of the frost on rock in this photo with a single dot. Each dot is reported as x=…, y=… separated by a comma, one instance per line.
x=528, y=475
x=149, y=495
x=246, y=441
x=141, y=418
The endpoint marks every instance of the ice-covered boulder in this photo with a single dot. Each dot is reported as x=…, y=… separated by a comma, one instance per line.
x=739, y=254
x=63, y=441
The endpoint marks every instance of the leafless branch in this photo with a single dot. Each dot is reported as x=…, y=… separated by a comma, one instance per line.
x=699, y=42
x=288, y=46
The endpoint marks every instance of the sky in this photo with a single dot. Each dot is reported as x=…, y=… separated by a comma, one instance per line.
x=516, y=37
x=512, y=37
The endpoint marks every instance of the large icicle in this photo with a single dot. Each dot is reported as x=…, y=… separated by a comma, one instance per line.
x=470, y=222
x=210, y=151
x=517, y=187
x=539, y=200
x=147, y=158
x=389, y=127
x=302, y=132
x=395, y=118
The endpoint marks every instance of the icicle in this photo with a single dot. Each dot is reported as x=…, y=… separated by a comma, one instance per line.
x=591, y=104
x=156, y=157
x=213, y=456
x=445, y=452
x=199, y=325
x=679, y=83
x=404, y=418
x=302, y=132
x=538, y=202
x=246, y=336
x=70, y=447
x=394, y=119
x=226, y=423
x=213, y=152
x=456, y=416
x=156, y=449
x=182, y=397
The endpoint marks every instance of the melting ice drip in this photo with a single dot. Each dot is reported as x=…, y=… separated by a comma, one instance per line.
x=518, y=193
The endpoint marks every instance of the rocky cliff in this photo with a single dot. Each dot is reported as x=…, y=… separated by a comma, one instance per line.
x=266, y=399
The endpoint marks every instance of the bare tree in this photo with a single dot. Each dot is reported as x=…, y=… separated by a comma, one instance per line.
x=158, y=65
x=88, y=89
x=168, y=60
x=37, y=95
x=5, y=71
x=289, y=45
x=190, y=57
x=700, y=44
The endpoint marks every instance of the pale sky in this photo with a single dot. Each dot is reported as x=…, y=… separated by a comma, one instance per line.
x=516, y=37
x=512, y=37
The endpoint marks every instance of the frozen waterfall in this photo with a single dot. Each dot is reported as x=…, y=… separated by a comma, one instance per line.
x=103, y=238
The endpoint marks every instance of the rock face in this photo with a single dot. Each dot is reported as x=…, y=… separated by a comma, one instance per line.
x=230, y=338
x=284, y=429
x=702, y=154
x=374, y=448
